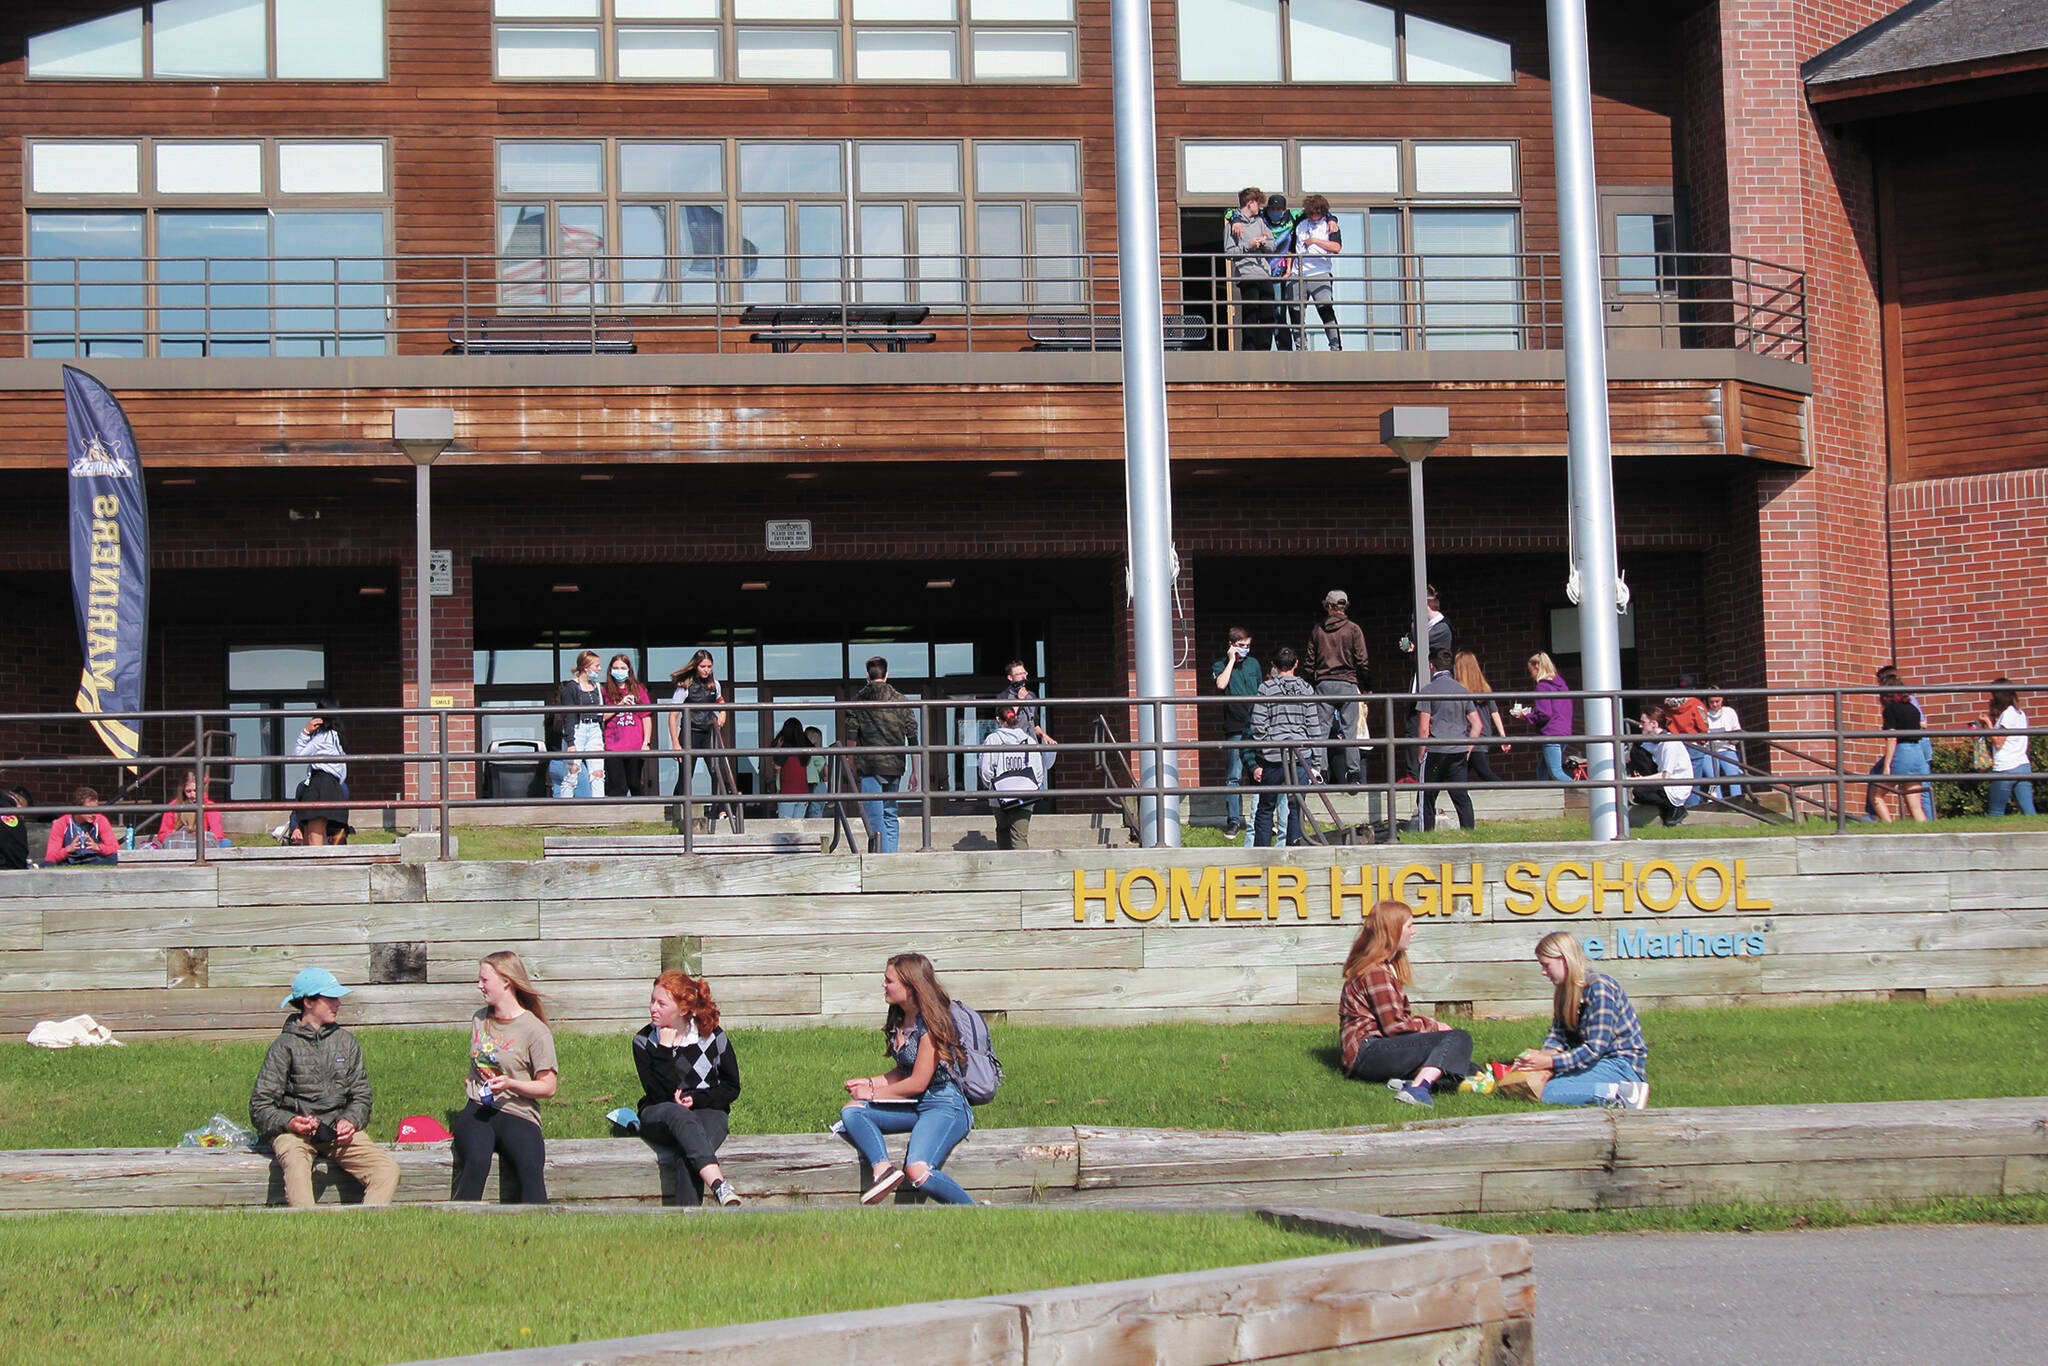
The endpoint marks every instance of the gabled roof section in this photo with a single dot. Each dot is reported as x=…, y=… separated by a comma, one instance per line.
x=1930, y=42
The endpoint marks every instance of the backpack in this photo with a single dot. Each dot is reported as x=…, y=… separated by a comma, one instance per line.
x=984, y=1072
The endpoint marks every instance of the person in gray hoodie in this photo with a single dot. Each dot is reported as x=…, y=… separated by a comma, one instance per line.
x=312, y=1097
x=1284, y=726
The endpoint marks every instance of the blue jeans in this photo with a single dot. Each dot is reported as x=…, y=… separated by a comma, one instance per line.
x=1272, y=775
x=2016, y=782
x=587, y=738
x=1708, y=765
x=813, y=810
x=1593, y=1086
x=790, y=811
x=1233, y=776
x=881, y=816
x=1553, y=762
x=941, y=1119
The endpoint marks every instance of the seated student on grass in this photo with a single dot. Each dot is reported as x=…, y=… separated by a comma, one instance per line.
x=921, y=1095
x=83, y=837
x=689, y=1079
x=179, y=829
x=1379, y=1039
x=312, y=1097
x=511, y=1065
x=1594, y=1051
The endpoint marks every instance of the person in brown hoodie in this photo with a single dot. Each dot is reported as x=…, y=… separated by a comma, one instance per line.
x=1336, y=663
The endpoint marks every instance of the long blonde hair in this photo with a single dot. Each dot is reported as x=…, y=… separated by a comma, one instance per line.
x=1543, y=666
x=509, y=966
x=1564, y=1003
x=1380, y=942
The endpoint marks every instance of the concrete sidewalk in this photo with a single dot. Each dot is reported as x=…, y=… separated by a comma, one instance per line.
x=1958, y=1295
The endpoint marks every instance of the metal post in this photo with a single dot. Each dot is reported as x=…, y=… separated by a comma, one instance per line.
x=1420, y=558
x=1585, y=363
x=1146, y=468
x=423, y=635
x=441, y=745
x=199, y=776
x=924, y=773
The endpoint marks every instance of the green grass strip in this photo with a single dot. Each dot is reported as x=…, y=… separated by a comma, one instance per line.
x=226, y=1289
x=1250, y=1077
x=1748, y=1218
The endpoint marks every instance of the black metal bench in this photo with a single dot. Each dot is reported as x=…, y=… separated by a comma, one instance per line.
x=878, y=327
x=1104, y=331
x=541, y=336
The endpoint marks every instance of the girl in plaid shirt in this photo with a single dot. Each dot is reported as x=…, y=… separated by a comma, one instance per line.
x=1378, y=1037
x=1595, y=1049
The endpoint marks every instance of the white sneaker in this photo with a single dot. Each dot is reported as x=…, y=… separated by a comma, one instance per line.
x=1628, y=1095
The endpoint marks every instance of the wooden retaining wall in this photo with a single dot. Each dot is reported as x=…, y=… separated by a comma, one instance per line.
x=1491, y=1164
x=1412, y=1293
x=1085, y=936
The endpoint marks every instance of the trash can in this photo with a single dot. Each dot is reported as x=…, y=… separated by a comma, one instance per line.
x=513, y=779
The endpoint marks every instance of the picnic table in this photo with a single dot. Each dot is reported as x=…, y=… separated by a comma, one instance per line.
x=879, y=327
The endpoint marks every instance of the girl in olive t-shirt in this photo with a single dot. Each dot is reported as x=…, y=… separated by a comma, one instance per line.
x=511, y=1067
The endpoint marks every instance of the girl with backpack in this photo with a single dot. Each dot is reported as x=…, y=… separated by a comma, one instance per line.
x=923, y=1095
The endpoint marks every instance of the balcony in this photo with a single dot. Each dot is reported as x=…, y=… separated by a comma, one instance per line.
x=163, y=308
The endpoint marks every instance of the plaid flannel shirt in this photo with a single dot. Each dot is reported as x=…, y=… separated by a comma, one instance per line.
x=1608, y=1028
x=1374, y=1006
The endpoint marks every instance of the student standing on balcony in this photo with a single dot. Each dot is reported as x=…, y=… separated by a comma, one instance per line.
x=879, y=736
x=326, y=781
x=1336, y=665
x=582, y=730
x=1317, y=238
x=1284, y=722
x=1247, y=252
x=2011, y=768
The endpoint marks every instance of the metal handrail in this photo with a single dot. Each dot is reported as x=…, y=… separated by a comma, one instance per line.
x=422, y=303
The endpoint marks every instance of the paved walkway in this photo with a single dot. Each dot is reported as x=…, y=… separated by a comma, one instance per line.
x=1954, y=1296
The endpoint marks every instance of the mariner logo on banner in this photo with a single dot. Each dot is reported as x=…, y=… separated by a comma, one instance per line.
x=109, y=558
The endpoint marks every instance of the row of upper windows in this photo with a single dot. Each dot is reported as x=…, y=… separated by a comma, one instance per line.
x=928, y=41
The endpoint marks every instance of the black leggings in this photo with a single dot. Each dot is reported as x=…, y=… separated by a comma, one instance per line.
x=1403, y=1055
x=481, y=1130
x=697, y=1133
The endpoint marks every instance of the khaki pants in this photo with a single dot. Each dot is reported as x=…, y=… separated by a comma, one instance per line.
x=359, y=1157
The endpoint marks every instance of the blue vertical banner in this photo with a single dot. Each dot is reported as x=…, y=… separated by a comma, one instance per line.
x=109, y=558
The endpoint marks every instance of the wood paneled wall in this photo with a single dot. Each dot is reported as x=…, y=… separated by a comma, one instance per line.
x=1965, y=290
x=795, y=940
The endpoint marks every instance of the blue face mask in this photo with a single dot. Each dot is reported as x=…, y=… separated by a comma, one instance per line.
x=619, y=675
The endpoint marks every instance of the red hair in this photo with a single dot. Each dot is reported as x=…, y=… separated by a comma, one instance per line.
x=692, y=996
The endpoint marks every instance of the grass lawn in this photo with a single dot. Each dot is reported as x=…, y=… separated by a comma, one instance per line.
x=243, y=1287
x=1240, y=1077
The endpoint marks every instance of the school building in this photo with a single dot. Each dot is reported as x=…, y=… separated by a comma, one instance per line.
x=786, y=328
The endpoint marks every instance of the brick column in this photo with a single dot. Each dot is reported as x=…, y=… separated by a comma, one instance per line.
x=453, y=646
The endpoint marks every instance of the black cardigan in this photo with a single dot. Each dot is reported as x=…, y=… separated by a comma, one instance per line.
x=664, y=1071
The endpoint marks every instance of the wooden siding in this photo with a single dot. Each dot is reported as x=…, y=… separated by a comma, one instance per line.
x=442, y=110
x=1965, y=290
x=792, y=940
x=909, y=422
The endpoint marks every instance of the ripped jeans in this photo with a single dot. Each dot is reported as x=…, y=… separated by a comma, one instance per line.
x=941, y=1119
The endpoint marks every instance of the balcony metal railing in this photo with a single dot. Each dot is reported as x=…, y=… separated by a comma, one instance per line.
x=414, y=305
x=1833, y=777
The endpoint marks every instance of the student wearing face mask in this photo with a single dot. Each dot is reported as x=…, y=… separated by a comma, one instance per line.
x=583, y=729
x=628, y=732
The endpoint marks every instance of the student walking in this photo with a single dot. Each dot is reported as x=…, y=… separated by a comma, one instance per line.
x=1553, y=715
x=1379, y=1038
x=1594, y=1051
x=921, y=1095
x=689, y=1079
x=511, y=1065
x=582, y=731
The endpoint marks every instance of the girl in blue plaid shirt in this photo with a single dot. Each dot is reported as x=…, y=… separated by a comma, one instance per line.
x=1594, y=1050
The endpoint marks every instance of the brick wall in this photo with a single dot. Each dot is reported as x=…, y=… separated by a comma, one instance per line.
x=1972, y=599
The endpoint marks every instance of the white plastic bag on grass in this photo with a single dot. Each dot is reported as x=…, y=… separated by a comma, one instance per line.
x=219, y=1132
x=80, y=1031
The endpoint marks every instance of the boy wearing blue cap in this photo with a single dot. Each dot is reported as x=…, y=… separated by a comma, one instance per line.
x=312, y=1097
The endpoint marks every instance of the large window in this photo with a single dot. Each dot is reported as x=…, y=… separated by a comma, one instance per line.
x=923, y=41
x=219, y=40
x=1330, y=41
x=1431, y=232
x=647, y=224
x=180, y=247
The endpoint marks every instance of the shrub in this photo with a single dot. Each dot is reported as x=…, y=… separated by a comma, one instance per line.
x=1974, y=798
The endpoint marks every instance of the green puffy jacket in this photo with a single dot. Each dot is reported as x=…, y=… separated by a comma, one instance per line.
x=310, y=1072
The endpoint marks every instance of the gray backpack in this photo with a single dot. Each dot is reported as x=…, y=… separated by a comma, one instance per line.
x=984, y=1072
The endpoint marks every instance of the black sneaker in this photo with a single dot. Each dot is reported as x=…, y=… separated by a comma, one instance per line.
x=1676, y=817
x=1232, y=829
